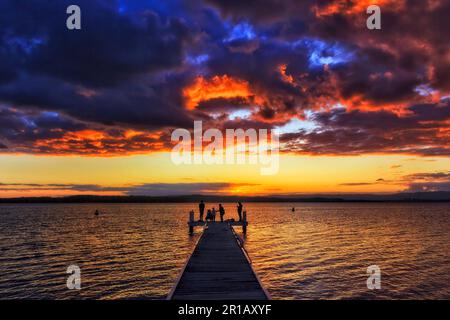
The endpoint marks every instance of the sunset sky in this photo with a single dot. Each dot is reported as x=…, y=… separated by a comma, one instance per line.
x=92, y=111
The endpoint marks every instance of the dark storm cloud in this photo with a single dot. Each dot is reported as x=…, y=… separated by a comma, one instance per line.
x=369, y=80
x=53, y=133
x=222, y=104
x=342, y=132
x=108, y=72
x=25, y=128
x=261, y=70
x=135, y=103
x=253, y=9
x=109, y=48
x=412, y=47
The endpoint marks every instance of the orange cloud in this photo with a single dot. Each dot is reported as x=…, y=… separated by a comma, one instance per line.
x=284, y=76
x=354, y=7
x=103, y=143
x=86, y=135
x=217, y=87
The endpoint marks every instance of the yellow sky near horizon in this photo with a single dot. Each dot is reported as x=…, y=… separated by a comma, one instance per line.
x=297, y=174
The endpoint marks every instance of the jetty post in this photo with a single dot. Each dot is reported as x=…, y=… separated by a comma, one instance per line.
x=191, y=222
x=244, y=223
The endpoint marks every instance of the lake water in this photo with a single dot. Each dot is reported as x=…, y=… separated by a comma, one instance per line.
x=134, y=251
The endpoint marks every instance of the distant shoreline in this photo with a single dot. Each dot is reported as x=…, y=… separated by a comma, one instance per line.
x=443, y=196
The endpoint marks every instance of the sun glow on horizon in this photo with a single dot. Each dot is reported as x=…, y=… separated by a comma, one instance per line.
x=298, y=174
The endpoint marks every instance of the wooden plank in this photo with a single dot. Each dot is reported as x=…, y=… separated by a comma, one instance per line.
x=232, y=223
x=218, y=269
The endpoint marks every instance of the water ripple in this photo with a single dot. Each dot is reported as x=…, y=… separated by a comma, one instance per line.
x=136, y=251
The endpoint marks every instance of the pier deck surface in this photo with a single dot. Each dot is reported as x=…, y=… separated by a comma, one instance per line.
x=218, y=269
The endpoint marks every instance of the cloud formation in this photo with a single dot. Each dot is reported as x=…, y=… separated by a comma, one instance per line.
x=144, y=189
x=139, y=69
x=416, y=182
x=422, y=131
x=430, y=181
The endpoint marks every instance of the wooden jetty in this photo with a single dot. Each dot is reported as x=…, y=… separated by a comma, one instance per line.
x=219, y=267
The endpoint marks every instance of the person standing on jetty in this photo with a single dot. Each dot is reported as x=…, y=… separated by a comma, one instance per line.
x=201, y=207
x=222, y=212
x=239, y=210
x=213, y=214
x=209, y=215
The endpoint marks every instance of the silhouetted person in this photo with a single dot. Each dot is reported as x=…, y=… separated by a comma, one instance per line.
x=209, y=215
x=222, y=212
x=201, y=207
x=96, y=212
x=213, y=214
x=293, y=209
x=239, y=210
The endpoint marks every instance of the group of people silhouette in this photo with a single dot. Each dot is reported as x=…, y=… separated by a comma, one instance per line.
x=211, y=213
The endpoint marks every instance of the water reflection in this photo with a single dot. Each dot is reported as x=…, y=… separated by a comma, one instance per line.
x=136, y=251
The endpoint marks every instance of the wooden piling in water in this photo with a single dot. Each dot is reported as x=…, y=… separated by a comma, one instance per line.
x=191, y=222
